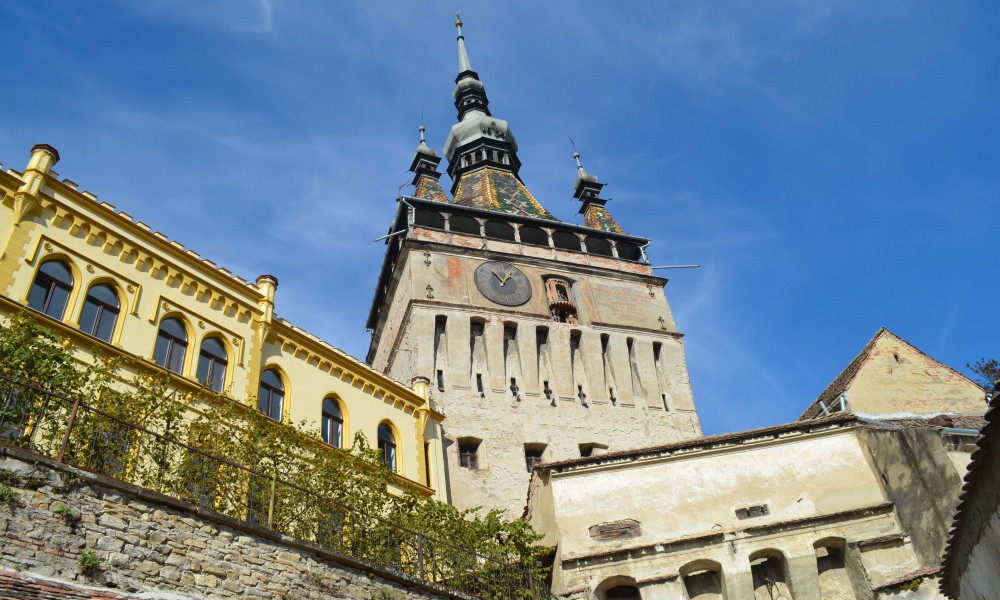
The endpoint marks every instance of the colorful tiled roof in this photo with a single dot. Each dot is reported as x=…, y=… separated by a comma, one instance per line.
x=430, y=189
x=492, y=189
x=598, y=217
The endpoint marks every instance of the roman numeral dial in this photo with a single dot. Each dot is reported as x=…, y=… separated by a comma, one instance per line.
x=503, y=283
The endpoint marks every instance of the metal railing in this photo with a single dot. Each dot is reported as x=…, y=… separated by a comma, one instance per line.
x=78, y=434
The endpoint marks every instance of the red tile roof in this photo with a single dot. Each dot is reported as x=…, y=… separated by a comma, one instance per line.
x=26, y=587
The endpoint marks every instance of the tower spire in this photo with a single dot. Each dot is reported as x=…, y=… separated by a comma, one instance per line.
x=463, y=55
x=587, y=190
x=481, y=150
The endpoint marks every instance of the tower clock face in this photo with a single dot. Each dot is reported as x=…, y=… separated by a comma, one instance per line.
x=503, y=283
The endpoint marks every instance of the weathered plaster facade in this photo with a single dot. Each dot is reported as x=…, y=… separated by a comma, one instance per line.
x=615, y=378
x=816, y=509
x=892, y=378
x=972, y=558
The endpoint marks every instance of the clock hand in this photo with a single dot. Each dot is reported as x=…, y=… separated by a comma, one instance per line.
x=506, y=278
x=497, y=275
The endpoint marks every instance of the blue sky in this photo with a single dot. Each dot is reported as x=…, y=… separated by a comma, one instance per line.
x=832, y=168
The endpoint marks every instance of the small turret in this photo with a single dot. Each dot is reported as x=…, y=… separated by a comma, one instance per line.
x=587, y=190
x=425, y=173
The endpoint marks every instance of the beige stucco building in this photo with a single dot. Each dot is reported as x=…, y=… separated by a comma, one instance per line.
x=972, y=556
x=111, y=284
x=838, y=506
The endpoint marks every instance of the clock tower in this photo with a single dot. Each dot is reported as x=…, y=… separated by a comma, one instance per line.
x=541, y=340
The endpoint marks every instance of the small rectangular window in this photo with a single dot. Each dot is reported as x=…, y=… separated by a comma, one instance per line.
x=440, y=378
x=479, y=384
x=533, y=456
x=666, y=406
x=468, y=454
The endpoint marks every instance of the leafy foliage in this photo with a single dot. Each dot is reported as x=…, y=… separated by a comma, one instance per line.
x=986, y=372
x=89, y=562
x=236, y=461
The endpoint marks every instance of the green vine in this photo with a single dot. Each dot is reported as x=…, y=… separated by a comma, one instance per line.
x=292, y=483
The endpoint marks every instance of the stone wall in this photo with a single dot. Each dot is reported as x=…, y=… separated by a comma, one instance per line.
x=146, y=542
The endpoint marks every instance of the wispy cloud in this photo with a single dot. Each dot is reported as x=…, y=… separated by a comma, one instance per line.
x=250, y=16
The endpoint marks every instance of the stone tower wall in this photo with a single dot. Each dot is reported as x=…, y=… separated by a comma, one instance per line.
x=624, y=354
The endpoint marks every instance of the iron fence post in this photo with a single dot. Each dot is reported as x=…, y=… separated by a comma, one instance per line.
x=69, y=429
x=420, y=555
x=270, y=503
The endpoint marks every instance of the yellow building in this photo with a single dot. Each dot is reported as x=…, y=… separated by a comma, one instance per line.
x=108, y=283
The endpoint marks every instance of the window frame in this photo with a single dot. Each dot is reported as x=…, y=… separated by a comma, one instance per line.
x=387, y=446
x=172, y=342
x=468, y=454
x=213, y=364
x=326, y=417
x=51, y=283
x=102, y=308
x=272, y=392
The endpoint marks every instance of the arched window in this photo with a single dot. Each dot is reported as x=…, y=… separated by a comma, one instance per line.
x=499, y=230
x=272, y=394
x=463, y=224
x=171, y=344
x=628, y=251
x=429, y=218
x=565, y=240
x=387, y=446
x=100, y=311
x=50, y=291
x=333, y=423
x=534, y=235
x=622, y=592
x=596, y=245
x=561, y=305
x=212, y=362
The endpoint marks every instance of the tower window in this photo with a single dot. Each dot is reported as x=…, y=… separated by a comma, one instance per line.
x=600, y=246
x=499, y=230
x=566, y=241
x=479, y=384
x=468, y=453
x=561, y=306
x=628, y=251
x=533, y=455
x=533, y=235
x=463, y=224
x=440, y=380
